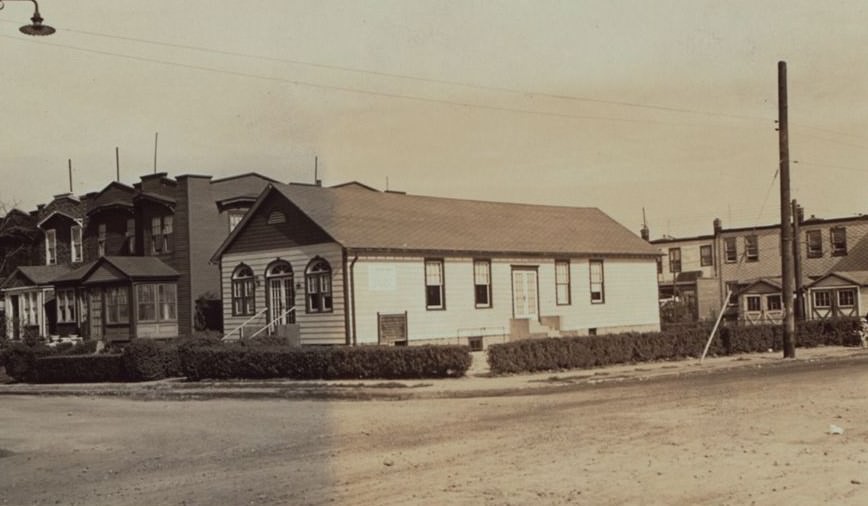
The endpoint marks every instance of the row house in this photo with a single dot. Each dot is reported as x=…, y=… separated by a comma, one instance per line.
x=131, y=260
x=830, y=256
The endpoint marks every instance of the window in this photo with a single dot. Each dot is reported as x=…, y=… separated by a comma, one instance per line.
x=235, y=216
x=482, y=283
x=131, y=236
x=75, y=243
x=751, y=248
x=598, y=294
x=117, y=306
x=822, y=299
x=562, y=282
x=29, y=309
x=732, y=288
x=705, y=258
x=659, y=265
x=846, y=298
x=50, y=247
x=156, y=302
x=434, y=285
x=838, y=237
x=814, y=242
x=773, y=302
x=674, y=260
x=318, y=278
x=730, y=250
x=161, y=234
x=65, y=306
x=100, y=240
x=243, y=291
x=754, y=303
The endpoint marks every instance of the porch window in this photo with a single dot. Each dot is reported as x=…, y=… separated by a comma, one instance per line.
x=846, y=298
x=318, y=277
x=65, y=306
x=705, y=258
x=773, y=302
x=434, y=285
x=482, y=283
x=754, y=303
x=117, y=306
x=562, y=282
x=814, y=241
x=29, y=308
x=598, y=290
x=838, y=237
x=100, y=239
x=822, y=299
x=130, y=236
x=751, y=248
x=50, y=247
x=75, y=243
x=243, y=292
x=674, y=260
x=730, y=250
x=157, y=302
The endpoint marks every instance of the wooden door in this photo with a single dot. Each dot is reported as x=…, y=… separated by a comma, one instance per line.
x=525, y=299
x=95, y=312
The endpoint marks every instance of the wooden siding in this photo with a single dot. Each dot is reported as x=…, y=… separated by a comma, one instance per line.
x=258, y=235
x=315, y=328
x=630, y=296
x=691, y=258
x=116, y=232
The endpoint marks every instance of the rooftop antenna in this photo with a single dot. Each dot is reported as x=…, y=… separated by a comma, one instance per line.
x=387, y=183
x=156, y=137
x=316, y=179
x=646, y=233
x=70, y=174
x=117, y=164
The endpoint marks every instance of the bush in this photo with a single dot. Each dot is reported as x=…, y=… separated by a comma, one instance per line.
x=21, y=360
x=255, y=362
x=147, y=360
x=79, y=369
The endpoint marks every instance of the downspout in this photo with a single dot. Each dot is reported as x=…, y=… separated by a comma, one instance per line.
x=346, y=297
x=353, y=295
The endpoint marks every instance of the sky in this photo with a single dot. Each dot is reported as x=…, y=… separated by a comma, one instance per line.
x=667, y=106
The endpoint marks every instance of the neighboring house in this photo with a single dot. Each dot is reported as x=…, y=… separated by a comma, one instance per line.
x=29, y=300
x=838, y=294
x=360, y=266
x=741, y=256
x=760, y=302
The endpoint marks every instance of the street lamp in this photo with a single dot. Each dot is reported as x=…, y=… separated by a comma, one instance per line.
x=36, y=27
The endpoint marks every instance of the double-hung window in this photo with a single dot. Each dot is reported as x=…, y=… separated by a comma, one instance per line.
x=434, y=285
x=838, y=237
x=50, y=247
x=823, y=299
x=117, y=306
x=754, y=303
x=730, y=250
x=674, y=260
x=100, y=239
x=318, y=276
x=75, y=243
x=65, y=305
x=243, y=292
x=482, y=283
x=814, y=243
x=705, y=257
x=751, y=248
x=157, y=302
x=562, y=282
x=161, y=234
x=131, y=236
x=597, y=282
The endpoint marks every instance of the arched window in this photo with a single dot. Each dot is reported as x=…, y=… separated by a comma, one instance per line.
x=318, y=286
x=279, y=268
x=243, y=291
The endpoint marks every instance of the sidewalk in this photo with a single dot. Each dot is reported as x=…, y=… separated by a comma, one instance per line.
x=477, y=383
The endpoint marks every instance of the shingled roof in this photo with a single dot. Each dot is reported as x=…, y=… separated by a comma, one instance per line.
x=362, y=219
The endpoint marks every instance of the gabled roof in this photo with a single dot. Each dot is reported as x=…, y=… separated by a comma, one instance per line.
x=156, y=197
x=131, y=268
x=52, y=214
x=859, y=278
x=36, y=275
x=378, y=221
x=772, y=282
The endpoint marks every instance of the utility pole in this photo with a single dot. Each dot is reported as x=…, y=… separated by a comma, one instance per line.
x=797, y=261
x=789, y=337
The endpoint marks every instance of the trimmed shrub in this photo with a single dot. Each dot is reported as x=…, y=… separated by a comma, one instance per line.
x=79, y=369
x=147, y=360
x=21, y=360
x=257, y=362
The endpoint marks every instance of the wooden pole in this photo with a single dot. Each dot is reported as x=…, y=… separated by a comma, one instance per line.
x=70, y=174
x=786, y=225
x=797, y=262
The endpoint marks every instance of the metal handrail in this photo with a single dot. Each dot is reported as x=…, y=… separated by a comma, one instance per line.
x=238, y=328
x=269, y=324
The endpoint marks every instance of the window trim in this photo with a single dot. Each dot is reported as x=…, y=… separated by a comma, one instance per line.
x=841, y=291
x=818, y=251
x=76, y=254
x=826, y=293
x=674, y=260
x=67, y=296
x=559, y=283
x=246, y=292
x=488, y=304
x=130, y=236
x=442, y=285
x=602, y=281
x=726, y=242
x=51, y=247
x=159, y=302
x=774, y=296
x=753, y=298
x=842, y=251
x=706, y=260
x=101, y=233
x=236, y=214
x=309, y=275
x=162, y=232
x=113, y=303
x=751, y=248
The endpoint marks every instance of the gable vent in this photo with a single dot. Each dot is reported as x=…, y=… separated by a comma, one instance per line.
x=276, y=217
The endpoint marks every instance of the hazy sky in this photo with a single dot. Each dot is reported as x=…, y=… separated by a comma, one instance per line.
x=666, y=105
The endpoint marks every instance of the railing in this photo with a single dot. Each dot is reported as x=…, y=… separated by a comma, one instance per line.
x=240, y=327
x=270, y=324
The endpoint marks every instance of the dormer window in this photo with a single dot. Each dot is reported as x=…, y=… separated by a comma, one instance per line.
x=100, y=240
x=161, y=233
x=50, y=247
x=131, y=236
x=75, y=243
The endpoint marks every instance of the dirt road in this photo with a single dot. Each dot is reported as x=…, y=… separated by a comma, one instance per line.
x=750, y=436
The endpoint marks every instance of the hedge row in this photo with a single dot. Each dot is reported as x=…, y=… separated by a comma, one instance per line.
x=687, y=341
x=365, y=362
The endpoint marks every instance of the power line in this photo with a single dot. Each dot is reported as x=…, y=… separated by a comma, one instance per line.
x=830, y=166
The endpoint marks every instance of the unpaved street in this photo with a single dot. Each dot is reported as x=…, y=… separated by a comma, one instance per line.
x=735, y=438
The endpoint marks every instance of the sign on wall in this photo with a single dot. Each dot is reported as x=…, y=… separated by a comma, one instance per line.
x=392, y=328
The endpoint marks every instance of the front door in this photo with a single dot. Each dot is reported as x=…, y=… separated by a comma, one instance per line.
x=281, y=297
x=96, y=313
x=524, y=294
